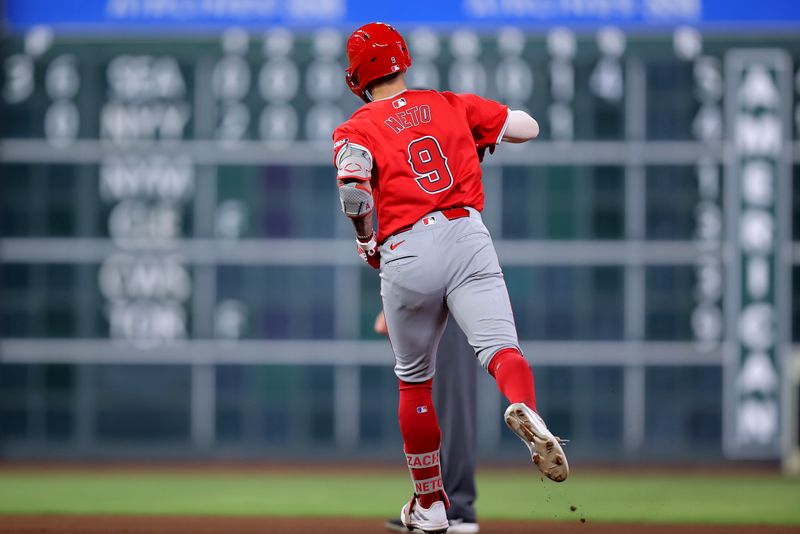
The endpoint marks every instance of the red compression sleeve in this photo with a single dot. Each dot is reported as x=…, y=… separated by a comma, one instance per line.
x=514, y=377
x=421, y=439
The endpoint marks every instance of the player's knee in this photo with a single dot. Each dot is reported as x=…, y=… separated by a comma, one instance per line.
x=511, y=359
x=414, y=373
x=488, y=355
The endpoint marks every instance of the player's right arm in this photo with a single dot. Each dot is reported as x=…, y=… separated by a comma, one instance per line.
x=491, y=122
x=520, y=127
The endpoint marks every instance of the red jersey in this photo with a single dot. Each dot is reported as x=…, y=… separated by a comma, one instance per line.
x=423, y=146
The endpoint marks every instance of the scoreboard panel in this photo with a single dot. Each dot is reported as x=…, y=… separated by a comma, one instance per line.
x=170, y=199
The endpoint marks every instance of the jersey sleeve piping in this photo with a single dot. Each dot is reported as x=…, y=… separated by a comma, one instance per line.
x=503, y=129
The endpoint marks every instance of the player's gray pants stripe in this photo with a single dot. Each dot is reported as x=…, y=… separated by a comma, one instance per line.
x=435, y=267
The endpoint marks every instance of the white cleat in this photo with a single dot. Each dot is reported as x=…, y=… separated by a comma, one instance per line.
x=431, y=520
x=545, y=448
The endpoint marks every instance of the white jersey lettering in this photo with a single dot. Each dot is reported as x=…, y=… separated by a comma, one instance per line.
x=413, y=116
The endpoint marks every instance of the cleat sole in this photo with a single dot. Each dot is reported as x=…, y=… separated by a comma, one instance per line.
x=545, y=449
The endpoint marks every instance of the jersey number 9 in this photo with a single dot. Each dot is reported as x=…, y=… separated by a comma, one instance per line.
x=430, y=165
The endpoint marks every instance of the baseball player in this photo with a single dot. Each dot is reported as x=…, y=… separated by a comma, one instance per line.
x=413, y=157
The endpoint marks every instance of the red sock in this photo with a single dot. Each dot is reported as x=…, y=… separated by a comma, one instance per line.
x=421, y=439
x=513, y=376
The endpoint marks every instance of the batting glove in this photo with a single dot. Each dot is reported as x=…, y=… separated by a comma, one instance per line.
x=369, y=252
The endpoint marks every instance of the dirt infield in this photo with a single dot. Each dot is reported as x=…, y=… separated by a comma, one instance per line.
x=208, y=525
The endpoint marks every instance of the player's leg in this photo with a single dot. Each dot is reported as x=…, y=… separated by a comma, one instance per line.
x=413, y=304
x=482, y=309
x=455, y=395
x=478, y=300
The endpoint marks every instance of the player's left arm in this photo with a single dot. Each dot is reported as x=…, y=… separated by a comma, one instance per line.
x=354, y=172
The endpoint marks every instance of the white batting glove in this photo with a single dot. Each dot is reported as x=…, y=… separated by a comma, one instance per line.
x=369, y=252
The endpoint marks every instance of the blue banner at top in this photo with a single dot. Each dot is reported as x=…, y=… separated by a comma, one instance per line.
x=189, y=15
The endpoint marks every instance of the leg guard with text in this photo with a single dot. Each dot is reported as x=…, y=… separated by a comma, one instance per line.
x=421, y=441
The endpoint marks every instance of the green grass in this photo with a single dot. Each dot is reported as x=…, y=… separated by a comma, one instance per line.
x=693, y=498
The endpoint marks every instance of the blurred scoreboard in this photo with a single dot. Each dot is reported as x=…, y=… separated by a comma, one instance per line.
x=128, y=210
x=135, y=142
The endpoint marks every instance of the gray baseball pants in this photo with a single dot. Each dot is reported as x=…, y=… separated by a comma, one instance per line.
x=442, y=265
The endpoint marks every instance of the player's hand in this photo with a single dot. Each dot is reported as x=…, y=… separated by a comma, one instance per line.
x=369, y=252
x=482, y=151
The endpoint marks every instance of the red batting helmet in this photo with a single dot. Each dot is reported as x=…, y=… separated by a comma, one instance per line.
x=374, y=50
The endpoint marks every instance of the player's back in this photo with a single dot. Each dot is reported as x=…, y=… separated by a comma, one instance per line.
x=423, y=145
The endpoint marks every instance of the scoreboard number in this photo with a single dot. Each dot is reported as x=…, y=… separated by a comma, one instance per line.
x=19, y=78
